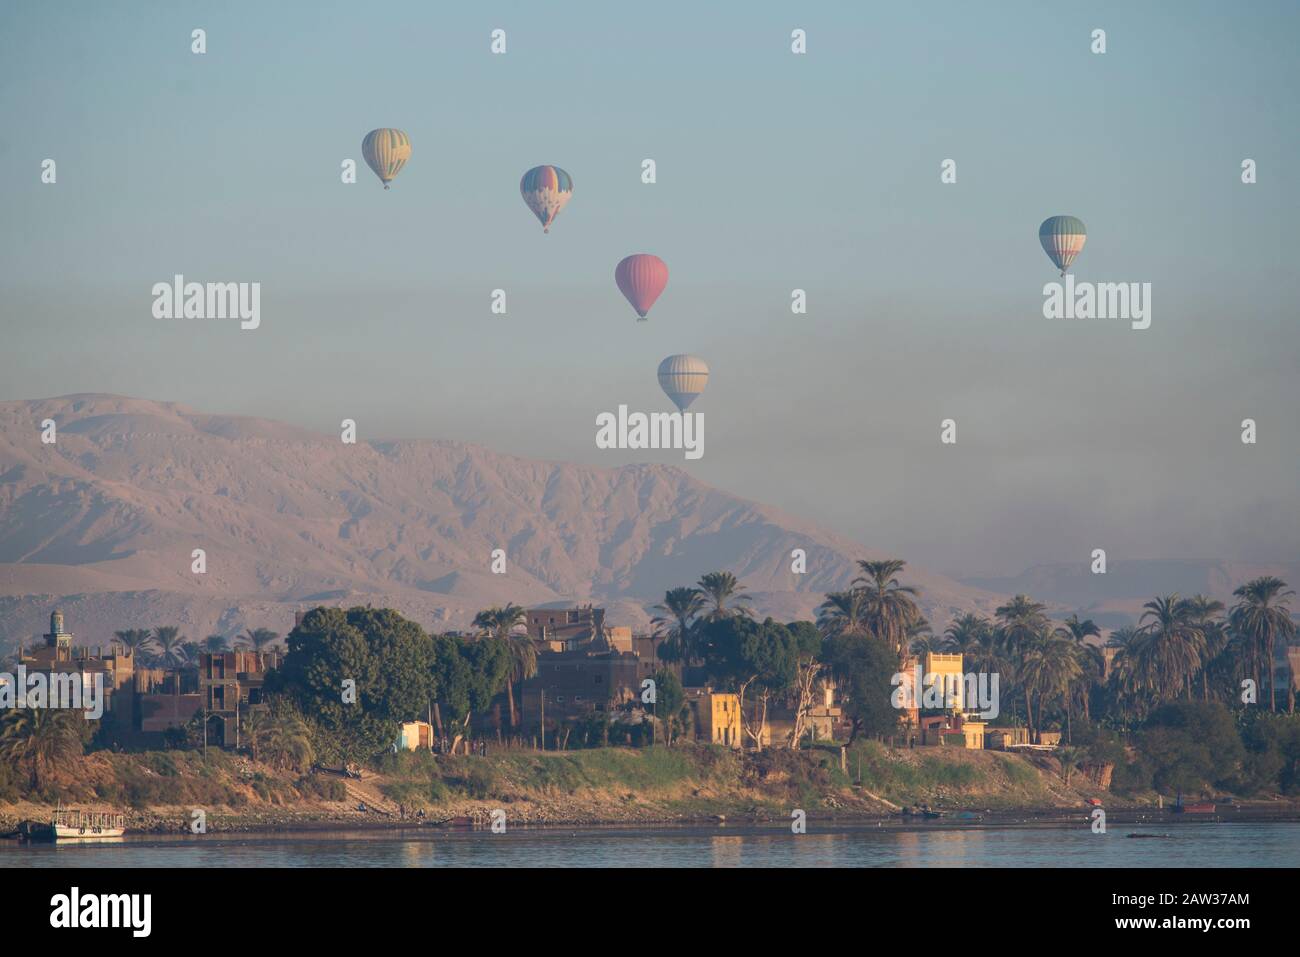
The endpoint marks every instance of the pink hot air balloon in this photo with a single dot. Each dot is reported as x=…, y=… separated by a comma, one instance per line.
x=641, y=278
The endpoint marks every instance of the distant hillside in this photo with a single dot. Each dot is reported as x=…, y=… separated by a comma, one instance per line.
x=104, y=522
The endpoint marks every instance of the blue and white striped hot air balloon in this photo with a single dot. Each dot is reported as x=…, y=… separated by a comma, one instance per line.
x=386, y=152
x=1062, y=238
x=683, y=379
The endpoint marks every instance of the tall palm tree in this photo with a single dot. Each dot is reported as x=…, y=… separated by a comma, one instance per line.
x=135, y=640
x=1050, y=667
x=966, y=631
x=191, y=650
x=1174, y=653
x=1262, y=615
x=1022, y=623
x=1121, y=637
x=1207, y=614
x=39, y=738
x=843, y=613
x=501, y=623
x=168, y=638
x=722, y=596
x=216, y=644
x=680, y=608
x=259, y=638
x=1079, y=630
x=890, y=607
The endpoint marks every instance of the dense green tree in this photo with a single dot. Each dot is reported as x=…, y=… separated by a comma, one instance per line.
x=390, y=659
x=670, y=704
x=751, y=657
x=864, y=668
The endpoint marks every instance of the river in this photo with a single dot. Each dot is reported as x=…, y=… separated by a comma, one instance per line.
x=1191, y=845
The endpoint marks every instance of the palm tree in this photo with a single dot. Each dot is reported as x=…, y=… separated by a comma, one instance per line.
x=680, y=608
x=135, y=640
x=1022, y=622
x=168, y=639
x=191, y=650
x=1121, y=637
x=501, y=623
x=890, y=607
x=39, y=738
x=1261, y=615
x=1050, y=666
x=1174, y=653
x=843, y=613
x=259, y=638
x=216, y=644
x=1079, y=630
x=719, y=588
x=966, y=632
x=1207, y=614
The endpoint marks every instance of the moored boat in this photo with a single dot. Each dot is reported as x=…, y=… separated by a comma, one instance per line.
x=73, y=824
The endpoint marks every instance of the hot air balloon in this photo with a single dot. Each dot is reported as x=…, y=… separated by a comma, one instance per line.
x=546, y=189
x=1062, y=238
x=386, y=152
x=641, y=277
x=683, y=379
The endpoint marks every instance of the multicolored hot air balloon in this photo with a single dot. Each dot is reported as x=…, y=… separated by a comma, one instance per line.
x=641, y=278
x=386, y=152
x=683, y=379
x=1062, y=238
x=546, y=189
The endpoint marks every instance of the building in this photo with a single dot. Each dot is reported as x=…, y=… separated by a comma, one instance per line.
x=647, y=648
x=164, y=700
x=564, y=629
x=230, y=684
x=716, y=715
x=570, y=685
x=414, y=736
x=58, y=656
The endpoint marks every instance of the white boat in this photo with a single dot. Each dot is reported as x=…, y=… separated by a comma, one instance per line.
x=75, y=825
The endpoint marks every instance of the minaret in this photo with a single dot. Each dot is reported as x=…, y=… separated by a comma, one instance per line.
x=59, y=639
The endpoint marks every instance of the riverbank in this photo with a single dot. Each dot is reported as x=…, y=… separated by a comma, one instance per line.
x=164, y=792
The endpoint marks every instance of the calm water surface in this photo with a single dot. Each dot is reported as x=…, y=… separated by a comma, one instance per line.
x=1186, y=845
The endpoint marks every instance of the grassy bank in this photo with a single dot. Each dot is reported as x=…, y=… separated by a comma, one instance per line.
x=609, y=785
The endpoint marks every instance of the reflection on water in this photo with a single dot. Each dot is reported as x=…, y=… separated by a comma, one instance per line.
x=1194, y=845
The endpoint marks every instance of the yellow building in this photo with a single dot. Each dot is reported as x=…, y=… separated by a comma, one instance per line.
x=717, y=716
x=948, y=676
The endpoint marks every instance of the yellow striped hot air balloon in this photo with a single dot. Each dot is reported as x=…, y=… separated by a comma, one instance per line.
x=683, y=379
x=386, y=152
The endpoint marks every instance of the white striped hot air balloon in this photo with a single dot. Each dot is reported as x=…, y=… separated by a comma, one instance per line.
x=386, y=152
x=1062, y=238
x=683, y=379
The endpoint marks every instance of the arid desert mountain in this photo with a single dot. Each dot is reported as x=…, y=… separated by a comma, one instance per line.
x=104, y=522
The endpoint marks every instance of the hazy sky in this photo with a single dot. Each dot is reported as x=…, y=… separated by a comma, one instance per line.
x=775, y=171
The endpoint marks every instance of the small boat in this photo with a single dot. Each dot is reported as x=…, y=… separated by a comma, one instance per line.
x=72, y=824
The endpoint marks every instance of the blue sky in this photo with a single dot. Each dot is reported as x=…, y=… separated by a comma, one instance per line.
x=775, y=171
